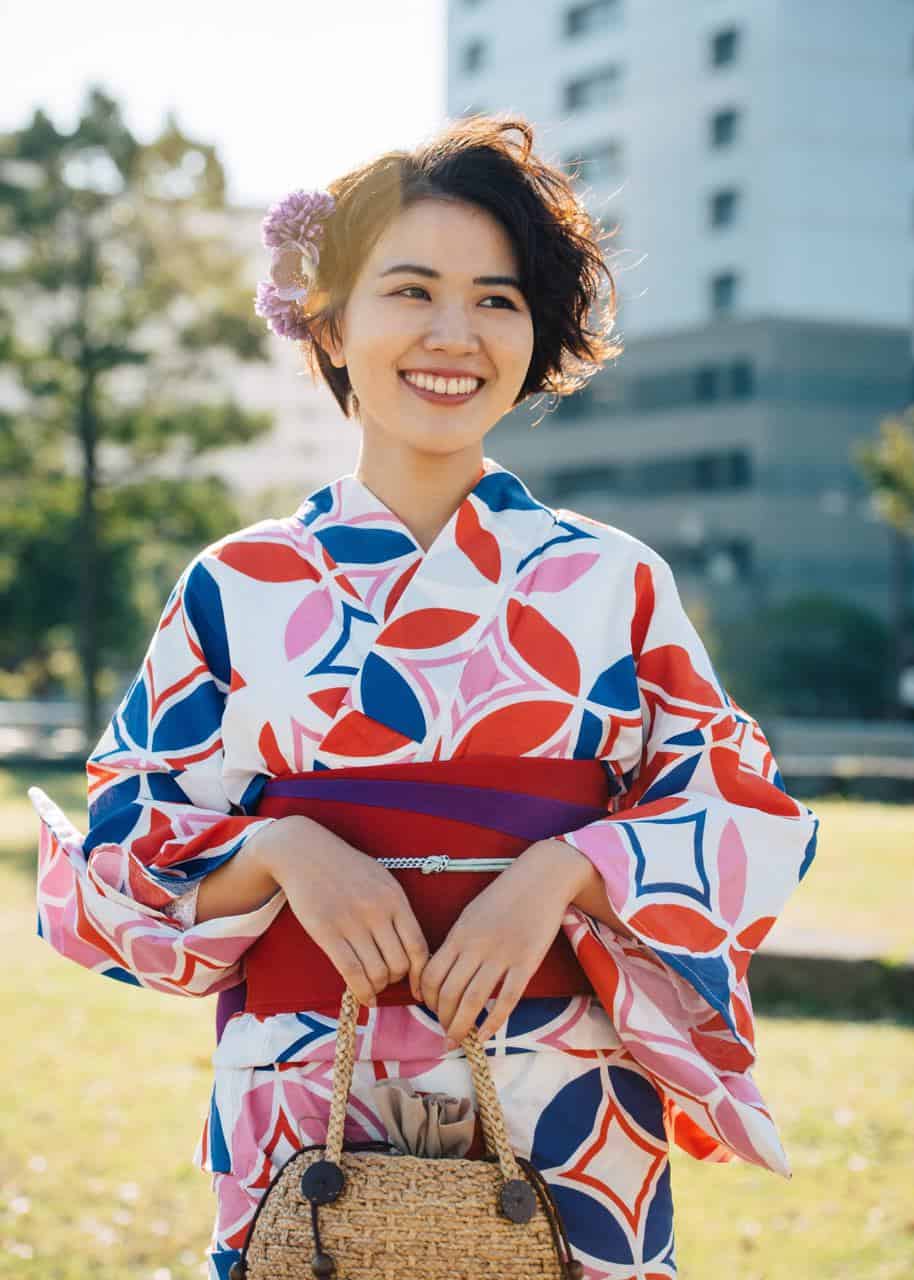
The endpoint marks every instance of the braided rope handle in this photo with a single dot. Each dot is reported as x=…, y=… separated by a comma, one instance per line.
x=490, y=1112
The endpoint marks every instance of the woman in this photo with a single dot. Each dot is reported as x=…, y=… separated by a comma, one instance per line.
x=422, y=615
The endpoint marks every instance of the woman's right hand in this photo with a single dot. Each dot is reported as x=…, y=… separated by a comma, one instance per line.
x=354, y=908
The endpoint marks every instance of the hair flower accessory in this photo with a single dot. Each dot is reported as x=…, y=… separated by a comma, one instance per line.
x=292, y=229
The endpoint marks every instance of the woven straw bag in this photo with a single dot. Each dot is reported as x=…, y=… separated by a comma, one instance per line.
x=366, y=1211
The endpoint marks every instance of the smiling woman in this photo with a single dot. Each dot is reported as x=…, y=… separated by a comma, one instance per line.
x=432, y=365
x=432, y=740
x=541, y=248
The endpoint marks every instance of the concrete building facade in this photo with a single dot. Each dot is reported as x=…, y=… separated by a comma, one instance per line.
x=759, y=160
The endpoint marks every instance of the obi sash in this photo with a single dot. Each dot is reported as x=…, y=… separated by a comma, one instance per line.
x=468, y=809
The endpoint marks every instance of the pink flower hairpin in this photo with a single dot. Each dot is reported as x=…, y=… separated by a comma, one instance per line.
x=292, y=229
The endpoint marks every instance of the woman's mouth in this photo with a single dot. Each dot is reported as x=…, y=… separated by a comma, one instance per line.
x=440, y=390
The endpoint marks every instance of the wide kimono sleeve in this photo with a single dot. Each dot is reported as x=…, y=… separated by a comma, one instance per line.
x=698, y=856
x=120, y=899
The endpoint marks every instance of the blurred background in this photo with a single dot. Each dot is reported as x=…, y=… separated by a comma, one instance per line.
x=753, y=161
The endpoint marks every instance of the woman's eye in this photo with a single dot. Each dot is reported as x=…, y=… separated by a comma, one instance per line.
x=497, y=297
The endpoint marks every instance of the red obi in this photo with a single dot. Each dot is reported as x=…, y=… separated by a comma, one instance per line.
x=478, y=807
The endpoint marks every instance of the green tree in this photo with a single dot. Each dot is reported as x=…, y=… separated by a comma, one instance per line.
x=888, y=465
x=813, y=655
x=122, y=298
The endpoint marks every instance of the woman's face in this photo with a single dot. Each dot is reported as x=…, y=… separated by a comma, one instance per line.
x=436, y=334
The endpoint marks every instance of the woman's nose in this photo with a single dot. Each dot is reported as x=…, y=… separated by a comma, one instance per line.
x=452, y=329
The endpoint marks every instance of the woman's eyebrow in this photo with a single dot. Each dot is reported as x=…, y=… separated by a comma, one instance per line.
x=413, y=268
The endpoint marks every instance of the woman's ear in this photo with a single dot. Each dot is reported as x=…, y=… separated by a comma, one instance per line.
x=332, y=344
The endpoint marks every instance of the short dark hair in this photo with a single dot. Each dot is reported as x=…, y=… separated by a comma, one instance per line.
x=486, y=161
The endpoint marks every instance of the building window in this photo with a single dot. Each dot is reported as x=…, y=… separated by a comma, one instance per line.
x=596, y=163
x=707, y=384
x=723, y=208
x=723, y=292
x=724, y=47
x=597, y=89
x=703, y=384
x=714, y=471
x=473, y=57
x=593, y=17
x=723, y=128
x=742, y=381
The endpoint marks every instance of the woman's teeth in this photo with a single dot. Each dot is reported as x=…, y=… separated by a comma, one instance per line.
x=443, y=386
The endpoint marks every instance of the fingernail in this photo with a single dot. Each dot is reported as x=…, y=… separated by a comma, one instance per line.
x=451, y=1044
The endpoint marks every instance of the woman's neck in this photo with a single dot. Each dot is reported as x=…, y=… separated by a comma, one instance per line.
x=421, y=491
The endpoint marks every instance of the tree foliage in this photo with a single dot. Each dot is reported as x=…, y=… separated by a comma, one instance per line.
x=122, y=301
x=888, y=464
x=812, y=655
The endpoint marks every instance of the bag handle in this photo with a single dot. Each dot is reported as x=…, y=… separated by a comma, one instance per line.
x=490, y=1113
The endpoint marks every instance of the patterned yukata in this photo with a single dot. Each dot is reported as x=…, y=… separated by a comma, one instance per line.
x=330, y=639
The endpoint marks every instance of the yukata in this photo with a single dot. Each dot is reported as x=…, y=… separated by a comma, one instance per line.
x=329, y=639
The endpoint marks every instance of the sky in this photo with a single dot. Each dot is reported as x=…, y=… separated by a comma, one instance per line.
x=291, y=94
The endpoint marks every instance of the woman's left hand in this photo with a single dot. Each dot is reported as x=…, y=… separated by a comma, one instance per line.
x=502, y=936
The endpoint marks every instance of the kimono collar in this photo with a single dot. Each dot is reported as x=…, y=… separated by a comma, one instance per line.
x=355, y=527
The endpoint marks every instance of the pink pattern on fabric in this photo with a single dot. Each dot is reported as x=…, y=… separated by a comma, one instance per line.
x=731, y=869
x=555, y=575
x=607, y=850
x=308, y=623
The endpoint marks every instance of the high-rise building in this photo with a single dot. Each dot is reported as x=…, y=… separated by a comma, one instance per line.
x=758, y=157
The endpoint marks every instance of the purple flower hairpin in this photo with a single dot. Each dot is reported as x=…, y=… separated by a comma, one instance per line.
x=292, y=229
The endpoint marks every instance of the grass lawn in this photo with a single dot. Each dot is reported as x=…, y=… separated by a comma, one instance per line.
x=105, y=1088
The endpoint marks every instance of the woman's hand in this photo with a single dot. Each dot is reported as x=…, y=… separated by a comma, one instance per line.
x=503, y=936
x=353, y=908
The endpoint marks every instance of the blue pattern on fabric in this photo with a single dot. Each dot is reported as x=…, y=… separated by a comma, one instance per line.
x=592, y=1227
x=691, y=738
x=533, y=1012
x=673, y=782
x=644, y=826
x=387, y=698
x=194, y=719
x=617, y=686
x=589, y=736
x=219, y=1152
x=709, y=976
x=810, y=851
x=135, y=714
x=122, y=975
x=113, y=828
x=327, y=665
x=566, y=1121
x=203, y=606
x=194, y=867
x=317, y=1030
x=319, y=503
x=164, y=787
x=501, y=491
x=250, y=797
x=363, y=546
x=110, y=801
x=221, y=1263
x=639, y=1098
x=573, y=535
x=658, y=1228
